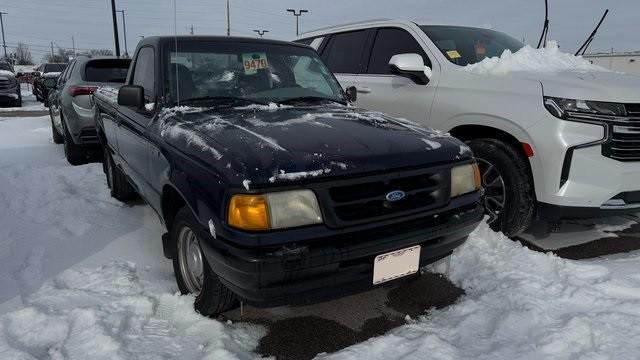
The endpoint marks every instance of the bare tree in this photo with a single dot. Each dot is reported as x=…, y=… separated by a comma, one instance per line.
x=23, y=55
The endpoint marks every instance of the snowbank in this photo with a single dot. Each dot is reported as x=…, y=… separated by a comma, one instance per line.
x=546, y=60
x=522, y=304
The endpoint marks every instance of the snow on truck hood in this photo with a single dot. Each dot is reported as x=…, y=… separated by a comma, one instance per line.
x=561, y=74
x=266, y=145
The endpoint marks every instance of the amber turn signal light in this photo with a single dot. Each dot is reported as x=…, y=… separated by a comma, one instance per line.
x=249, y=212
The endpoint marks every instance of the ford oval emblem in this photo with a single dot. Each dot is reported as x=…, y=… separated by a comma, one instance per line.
x=395, y=195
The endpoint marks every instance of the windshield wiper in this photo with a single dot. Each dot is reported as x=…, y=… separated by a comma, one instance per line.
x=310, y=99
x=223, y=100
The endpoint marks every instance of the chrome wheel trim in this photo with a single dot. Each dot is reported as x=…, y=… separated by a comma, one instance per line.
x=190, y=260
x=494, y=190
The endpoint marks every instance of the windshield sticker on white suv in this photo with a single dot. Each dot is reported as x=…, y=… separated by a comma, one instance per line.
x=254, y=62
x=454, y=54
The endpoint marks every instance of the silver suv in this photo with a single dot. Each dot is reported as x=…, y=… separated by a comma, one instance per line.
x=71, y=103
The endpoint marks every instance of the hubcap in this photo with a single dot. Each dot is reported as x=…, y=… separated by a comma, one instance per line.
x=494, y=190
x=190, y=259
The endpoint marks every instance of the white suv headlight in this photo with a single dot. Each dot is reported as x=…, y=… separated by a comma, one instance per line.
x=465, y=179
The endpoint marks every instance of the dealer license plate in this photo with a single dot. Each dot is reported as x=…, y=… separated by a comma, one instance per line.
x=394, y=265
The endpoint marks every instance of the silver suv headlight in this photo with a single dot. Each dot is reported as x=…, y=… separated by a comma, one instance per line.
x=465, y=179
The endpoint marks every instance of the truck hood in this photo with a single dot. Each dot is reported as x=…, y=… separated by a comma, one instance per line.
x=266, y=145
x=594, y=85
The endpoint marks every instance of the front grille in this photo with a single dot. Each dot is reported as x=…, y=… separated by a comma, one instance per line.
x=5, y=84
x=624, y=136
x=351, y=202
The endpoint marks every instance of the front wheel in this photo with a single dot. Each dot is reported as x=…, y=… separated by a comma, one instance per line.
x=193, y=274
x=509, y=200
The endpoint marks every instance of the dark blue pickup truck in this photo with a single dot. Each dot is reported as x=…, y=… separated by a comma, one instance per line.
x=273, y=189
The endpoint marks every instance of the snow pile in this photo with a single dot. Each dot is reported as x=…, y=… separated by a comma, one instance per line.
x=545, y=60
x=522, y=304
x=282, y=175
x=108, y=313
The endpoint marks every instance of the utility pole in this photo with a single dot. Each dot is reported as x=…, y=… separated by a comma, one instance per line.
x=124, y=29
x=73, y=44
x=261, y=32
x=52, y=55
x=228, y=20
x=297, y=15
x=191, y=32
x=115, y=27
x=4, y=44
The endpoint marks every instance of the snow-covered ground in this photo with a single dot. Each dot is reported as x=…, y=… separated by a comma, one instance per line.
x=82, y=276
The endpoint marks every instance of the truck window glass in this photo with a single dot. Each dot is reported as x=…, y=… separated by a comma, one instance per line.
x=108, y=70
x=463, y=45
x=260, y=72
x=389, y=42
x=345, y=52
x=144, y=73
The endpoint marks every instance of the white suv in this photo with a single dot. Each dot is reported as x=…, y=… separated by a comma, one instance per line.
x=551, y=146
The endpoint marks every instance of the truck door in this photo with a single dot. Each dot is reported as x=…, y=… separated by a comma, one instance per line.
x=133, y=144
x=380, y=90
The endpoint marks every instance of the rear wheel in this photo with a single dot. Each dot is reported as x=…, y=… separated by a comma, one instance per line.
x=193, y=274
x=75, y=154
x=509, y=200
x=116, y=180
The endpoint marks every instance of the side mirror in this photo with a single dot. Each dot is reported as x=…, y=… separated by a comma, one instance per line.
x=131, y=96
x=411, y=66
x=352, y=93
x=50, y=83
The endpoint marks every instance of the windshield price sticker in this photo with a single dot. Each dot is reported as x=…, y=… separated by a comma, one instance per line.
x=454, y=54
x=254, y=62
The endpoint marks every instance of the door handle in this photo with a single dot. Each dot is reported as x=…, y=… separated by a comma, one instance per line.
x=363, y=90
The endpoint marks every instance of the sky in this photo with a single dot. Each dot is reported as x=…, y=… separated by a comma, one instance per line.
x=39, y=22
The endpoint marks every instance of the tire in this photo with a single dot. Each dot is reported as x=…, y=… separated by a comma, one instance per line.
x=18, y=103
x=213, y=297
x=75, y=154
x=116, y=180
x=519, y=200
x=55, y=134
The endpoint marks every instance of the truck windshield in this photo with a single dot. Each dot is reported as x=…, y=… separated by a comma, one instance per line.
x=258, y=71
x=466, y=45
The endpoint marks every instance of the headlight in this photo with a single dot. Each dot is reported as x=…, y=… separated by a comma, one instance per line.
x=277, y=210
x=465, y=179
x=560, y=107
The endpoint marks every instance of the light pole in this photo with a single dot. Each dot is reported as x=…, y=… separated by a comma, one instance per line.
x=4, y=44
x=261, y=32
x=115, y=27
x=297, y=15
x=124, y=30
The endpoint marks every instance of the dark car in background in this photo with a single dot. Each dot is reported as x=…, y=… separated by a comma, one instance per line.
x=272, y=188
x=43, y=72
x=71, y=103
x=9, y=86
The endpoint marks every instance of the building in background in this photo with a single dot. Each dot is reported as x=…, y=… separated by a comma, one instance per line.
x=627, y=62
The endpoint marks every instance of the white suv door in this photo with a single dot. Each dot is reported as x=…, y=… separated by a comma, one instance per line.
x=344, y=55
x=379, y=89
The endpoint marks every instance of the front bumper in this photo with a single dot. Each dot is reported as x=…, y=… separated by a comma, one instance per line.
x=334, y=265
x=9, y=94
x=573, y=179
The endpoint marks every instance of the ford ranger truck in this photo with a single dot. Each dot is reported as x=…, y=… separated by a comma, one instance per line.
x=550, y=145
x=272, y=188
